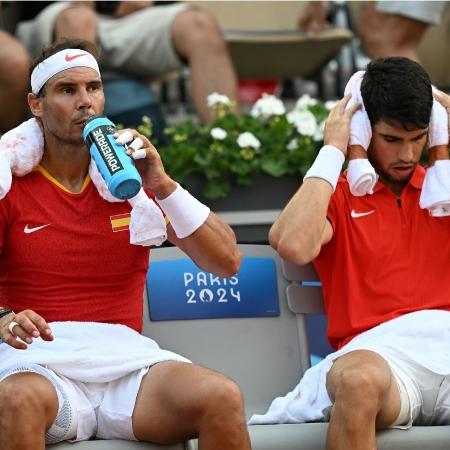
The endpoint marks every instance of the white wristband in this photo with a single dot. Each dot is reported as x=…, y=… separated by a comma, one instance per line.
x=184, y=211
x=327, y=165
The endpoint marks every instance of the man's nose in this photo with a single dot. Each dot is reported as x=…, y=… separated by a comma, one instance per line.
x=84, y=99
x=406, y=153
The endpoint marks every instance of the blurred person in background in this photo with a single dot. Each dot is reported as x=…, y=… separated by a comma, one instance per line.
x=386, y=28
x=14, y=66
x=142, y=39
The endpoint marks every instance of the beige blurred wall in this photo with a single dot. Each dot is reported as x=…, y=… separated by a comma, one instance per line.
x=434, y=52
x=248, y=15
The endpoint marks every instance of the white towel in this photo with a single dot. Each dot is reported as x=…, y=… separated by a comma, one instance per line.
x=435, y=195
x=89, y=352
x=147, y=225
x=438, y=128
x=360, y=127
x=21, y=150
x=422, y=336
x=361, y=175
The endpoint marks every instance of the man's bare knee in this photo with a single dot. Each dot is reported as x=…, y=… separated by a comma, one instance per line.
x=196, y=30
x=76, y=22
x=362, y=386
x=223, y=409
x=359, y=376
x=28, y=399
x=223, y=397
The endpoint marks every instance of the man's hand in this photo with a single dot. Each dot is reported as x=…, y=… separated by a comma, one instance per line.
x=29, y=326
x=337, y=125
x=148, y=162
x=313, y=17
x=444, y=100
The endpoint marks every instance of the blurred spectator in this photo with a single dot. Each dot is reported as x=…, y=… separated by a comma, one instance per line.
x=314, y=17
x=14, y=66
x=143, y=39
x=386, y=28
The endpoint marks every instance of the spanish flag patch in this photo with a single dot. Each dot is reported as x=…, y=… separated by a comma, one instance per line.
x=120, y=222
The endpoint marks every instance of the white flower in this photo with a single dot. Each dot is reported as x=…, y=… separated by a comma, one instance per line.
x=267, y=106
x=293, y=144
x=216, y=98
x=218, y=133
x=330, y=104
x=304, y=121
x=318, y=135
x=247, y=139
x=304, y=102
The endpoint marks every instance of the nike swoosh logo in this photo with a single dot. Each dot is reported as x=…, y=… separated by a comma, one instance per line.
x=28, y=230
x=71, y=58
x=355, y=215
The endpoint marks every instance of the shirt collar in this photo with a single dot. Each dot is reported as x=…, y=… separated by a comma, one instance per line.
x=416, y=180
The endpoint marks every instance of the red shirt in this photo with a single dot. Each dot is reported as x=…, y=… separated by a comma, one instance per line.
x=387, y=257
x=67, y=256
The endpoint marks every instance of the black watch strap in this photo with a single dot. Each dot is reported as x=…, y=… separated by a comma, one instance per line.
x=5, y=312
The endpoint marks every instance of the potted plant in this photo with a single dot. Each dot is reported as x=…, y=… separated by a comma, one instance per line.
x=234, y=152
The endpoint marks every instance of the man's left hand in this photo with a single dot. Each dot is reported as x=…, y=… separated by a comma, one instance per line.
x=444, y=100
x=148, y=162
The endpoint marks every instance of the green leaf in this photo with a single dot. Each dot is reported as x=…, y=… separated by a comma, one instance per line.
x=192, y=150
x=216, y=189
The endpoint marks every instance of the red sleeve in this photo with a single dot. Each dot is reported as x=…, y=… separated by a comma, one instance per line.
x=4, y=219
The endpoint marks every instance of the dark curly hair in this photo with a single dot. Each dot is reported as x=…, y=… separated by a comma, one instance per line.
x=397, y=90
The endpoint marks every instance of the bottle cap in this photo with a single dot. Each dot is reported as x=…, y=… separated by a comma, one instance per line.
x=123, y=187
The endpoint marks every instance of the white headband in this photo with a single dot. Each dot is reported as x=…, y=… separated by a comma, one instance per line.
x=65, y=59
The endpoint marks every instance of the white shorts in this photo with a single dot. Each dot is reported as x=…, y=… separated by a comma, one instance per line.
x=428, y=12
x=138, y=44
x=424, y=395
x=88, y=410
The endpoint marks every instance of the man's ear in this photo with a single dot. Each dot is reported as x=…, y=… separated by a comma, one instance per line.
x=35, y=104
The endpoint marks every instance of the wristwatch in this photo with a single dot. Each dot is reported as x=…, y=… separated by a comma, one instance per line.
x=5, y=311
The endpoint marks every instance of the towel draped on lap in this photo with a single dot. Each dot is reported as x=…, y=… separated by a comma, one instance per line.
x=422, y=336
x=89, y=352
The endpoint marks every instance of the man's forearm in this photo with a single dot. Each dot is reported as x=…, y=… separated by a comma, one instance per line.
x=212, y=246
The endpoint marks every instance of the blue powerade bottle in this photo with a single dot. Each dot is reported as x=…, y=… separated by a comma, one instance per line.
x=117, y=168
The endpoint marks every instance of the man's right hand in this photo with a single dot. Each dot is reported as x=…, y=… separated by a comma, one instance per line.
x=337, y=125
x=30, y=325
